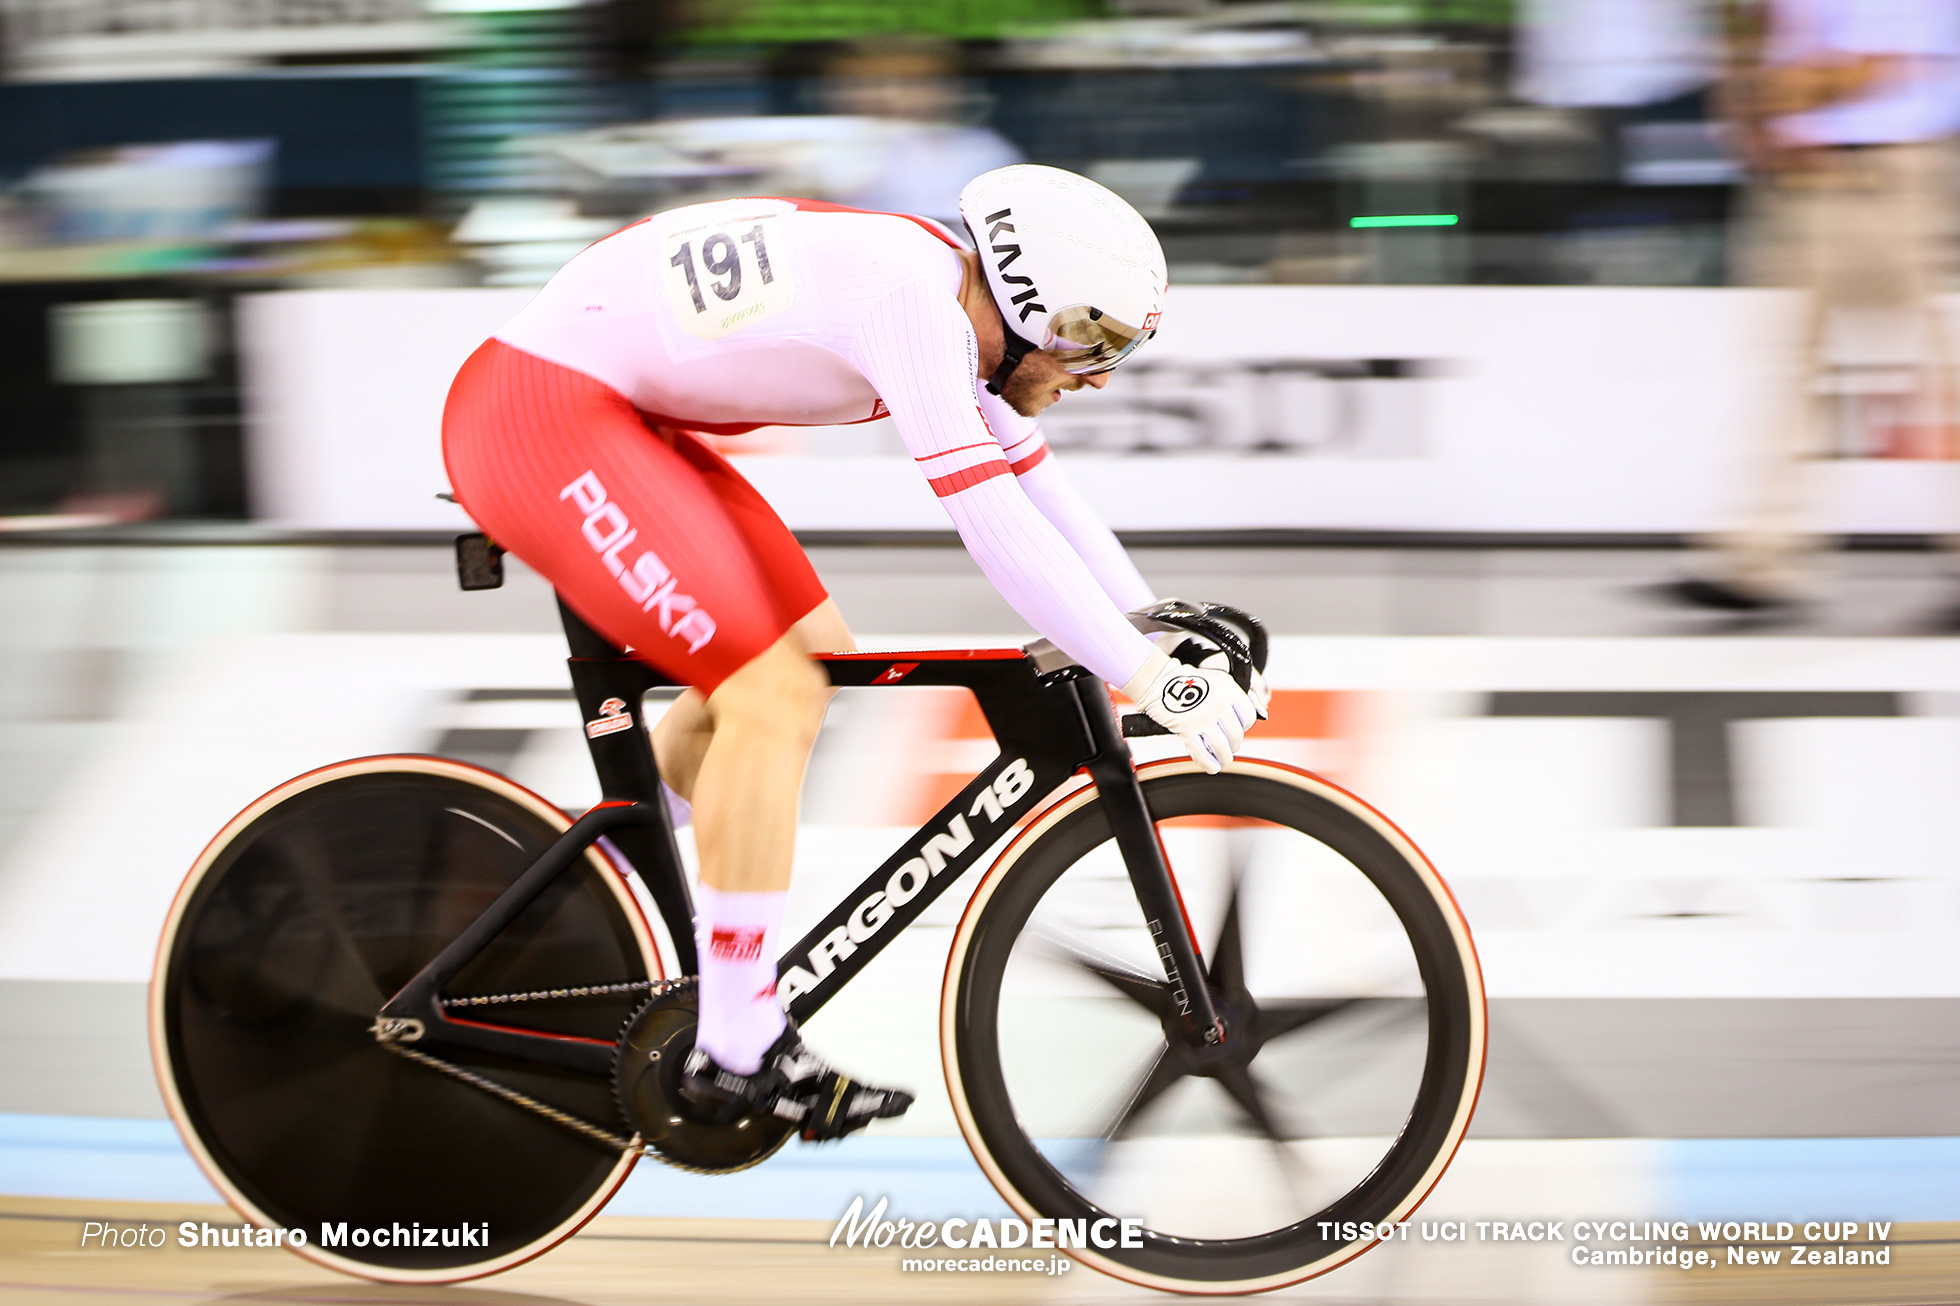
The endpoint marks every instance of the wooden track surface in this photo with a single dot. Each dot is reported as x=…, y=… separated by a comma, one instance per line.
x=1925, y=1271
x=674, y=1262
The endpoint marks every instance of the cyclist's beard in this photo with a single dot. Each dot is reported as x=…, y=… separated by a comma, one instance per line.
x=1029, y=391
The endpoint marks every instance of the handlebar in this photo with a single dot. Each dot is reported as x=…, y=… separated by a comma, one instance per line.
x=1235, y=633
x=1219, y=628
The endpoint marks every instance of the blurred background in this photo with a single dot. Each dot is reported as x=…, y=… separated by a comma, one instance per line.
x=162, y=162
x=1567, y=382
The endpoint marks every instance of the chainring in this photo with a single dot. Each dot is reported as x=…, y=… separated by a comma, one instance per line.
x=647, y=1085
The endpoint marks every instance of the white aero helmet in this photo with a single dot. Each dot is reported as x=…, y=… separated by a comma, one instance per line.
x=1073, y=268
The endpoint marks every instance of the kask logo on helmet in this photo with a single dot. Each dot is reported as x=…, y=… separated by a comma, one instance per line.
x=1029, y=299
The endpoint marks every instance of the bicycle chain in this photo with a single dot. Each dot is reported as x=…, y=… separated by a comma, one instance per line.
x=657, y=987
x=515, y=1098
x=506, y=1093
x=525, y=1101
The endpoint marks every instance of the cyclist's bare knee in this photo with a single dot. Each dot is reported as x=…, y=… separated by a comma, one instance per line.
x=824, y=630
x=680, y=741
x=779, y=691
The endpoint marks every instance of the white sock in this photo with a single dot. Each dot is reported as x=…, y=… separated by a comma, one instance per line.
x=740, y=1016
x=679, y=810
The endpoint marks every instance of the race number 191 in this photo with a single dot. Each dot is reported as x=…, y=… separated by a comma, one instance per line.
x=720, y=276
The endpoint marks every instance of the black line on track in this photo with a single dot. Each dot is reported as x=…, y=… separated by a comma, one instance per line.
x=195, y=534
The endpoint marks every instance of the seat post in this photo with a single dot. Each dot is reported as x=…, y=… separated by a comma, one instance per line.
x=581, y=639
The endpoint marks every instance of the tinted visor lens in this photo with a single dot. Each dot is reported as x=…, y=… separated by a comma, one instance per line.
x=1086, y=340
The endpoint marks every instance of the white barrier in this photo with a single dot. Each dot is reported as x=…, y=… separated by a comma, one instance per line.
x=1477, y=409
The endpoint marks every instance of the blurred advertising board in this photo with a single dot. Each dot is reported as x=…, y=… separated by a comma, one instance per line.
x=95, y=40
x=1488, y=410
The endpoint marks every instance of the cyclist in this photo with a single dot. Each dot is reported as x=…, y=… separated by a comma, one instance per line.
x=575, y=438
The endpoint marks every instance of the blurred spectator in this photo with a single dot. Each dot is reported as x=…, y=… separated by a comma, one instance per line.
x=1847, y=111
x=1633, y=60
x=917, y=83
x=184, y=190
x=1641, y=73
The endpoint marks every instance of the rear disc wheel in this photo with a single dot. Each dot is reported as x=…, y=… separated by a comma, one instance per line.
x=311, y=909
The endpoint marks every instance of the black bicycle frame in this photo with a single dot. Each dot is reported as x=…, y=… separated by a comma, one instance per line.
x=1049, y=727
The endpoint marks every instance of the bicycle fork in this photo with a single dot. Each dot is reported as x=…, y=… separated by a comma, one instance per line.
x=1114, y=772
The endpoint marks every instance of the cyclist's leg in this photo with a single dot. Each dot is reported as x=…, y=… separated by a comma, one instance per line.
x=732, y=756
x=763, y=720
x=729, y=743
x=744, y=1054
x=680, y=738
x=745, y=801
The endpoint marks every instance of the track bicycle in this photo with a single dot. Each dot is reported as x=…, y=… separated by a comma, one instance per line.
x=405, y=991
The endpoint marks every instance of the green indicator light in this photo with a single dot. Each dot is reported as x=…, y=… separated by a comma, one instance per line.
x=1407, y=220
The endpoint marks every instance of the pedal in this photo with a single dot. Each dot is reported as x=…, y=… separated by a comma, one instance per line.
x=647, y=1085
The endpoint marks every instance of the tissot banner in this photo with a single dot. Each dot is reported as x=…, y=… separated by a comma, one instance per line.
x=1343, y=408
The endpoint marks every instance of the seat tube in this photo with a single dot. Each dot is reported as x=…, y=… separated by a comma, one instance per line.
x=609, y=687
x=1130, y=821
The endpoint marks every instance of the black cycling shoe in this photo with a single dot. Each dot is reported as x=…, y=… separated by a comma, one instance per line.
x=792, y=1084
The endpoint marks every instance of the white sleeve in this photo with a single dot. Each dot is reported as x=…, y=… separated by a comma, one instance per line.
x=1049, y=490
x=917, y=348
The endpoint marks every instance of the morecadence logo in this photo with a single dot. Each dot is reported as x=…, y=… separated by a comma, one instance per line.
x=873, y=1231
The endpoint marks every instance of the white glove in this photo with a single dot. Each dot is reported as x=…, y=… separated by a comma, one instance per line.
x=1203, y=706
x=1260, y=692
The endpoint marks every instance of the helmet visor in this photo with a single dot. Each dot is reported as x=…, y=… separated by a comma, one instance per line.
x=1087, y=340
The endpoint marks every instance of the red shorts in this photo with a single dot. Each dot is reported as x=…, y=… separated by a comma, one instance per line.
x=646, y=532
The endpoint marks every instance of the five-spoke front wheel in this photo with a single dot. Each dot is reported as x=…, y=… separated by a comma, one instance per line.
x=1354, y=1017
